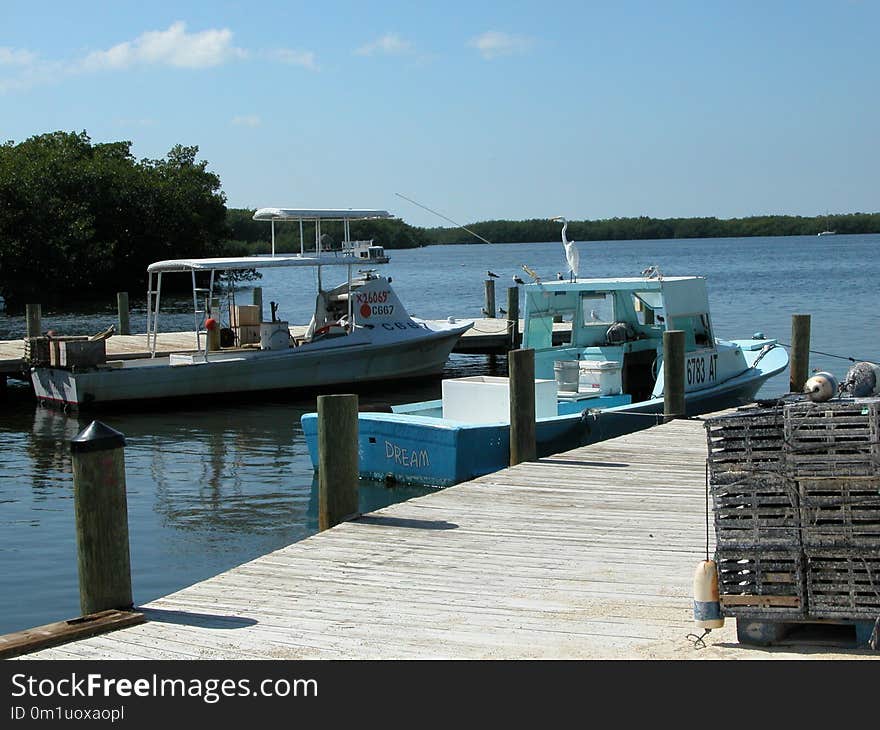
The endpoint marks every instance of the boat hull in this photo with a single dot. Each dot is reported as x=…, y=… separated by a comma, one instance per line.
x=427, y=450
x=245, y=372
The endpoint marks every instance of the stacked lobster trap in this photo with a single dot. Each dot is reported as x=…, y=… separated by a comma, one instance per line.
x=796, y=495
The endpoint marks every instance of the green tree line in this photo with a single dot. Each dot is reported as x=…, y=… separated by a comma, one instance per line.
x=80, y=220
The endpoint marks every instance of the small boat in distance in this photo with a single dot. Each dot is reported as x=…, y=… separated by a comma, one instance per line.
x=367, y=251
x=826, y=233
x=359, y=331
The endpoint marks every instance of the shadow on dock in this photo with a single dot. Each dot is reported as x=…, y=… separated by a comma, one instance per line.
x=201, y=620
x=405, y=522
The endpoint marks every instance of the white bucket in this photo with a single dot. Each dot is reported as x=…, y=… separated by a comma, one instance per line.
x=566, y=373
x=274, y=336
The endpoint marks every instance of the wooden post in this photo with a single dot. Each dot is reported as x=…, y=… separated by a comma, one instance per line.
x=673, y=374
x=33, y=319
x=521, y=367
x=490, y=298
x=122, y=305
x=258, y=299
x=101, y=511
x=800, y=352
x=513, y=317
x=337, y=459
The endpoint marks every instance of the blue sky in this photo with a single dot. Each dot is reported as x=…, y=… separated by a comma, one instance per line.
x=478, y=110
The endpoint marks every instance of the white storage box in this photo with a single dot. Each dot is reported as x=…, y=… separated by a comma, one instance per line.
x=486, y=399
x=601, y=377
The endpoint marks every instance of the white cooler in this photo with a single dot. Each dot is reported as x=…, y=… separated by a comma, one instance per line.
x=601, y=377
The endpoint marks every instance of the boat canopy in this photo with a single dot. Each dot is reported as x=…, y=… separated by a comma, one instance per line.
x=318, y=214
x=252, y=262
x=304, y=215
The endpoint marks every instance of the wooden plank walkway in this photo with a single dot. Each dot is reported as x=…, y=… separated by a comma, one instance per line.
x=487, y=336
x=587, y=554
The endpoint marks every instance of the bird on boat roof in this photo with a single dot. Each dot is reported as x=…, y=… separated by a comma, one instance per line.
x=652, y=272
x=517, y=279
x=571, y=252
x=491, y=274
x=531, y=273
x=559, y=276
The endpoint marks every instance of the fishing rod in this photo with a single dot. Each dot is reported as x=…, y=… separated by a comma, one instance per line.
x=443, y=217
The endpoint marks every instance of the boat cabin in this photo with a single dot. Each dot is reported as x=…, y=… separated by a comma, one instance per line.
x=620, y=321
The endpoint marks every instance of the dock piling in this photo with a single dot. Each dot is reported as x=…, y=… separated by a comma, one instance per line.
x=101, y=510
x=490, y=298
x=521, y=368
x=33, y=320
x=673, y=374
x=258, y=299
x=122, y=306
x=337, y=459
x=513, y=316
x=800, y=352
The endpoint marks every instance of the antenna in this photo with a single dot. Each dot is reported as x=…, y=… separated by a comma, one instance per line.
x=443, y=217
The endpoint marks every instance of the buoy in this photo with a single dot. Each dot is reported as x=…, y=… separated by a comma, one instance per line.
x=862, y=380
x=210, y=323
x=707, y=606
x=820, y=387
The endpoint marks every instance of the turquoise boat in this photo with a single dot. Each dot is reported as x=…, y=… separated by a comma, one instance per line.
x=605, y=381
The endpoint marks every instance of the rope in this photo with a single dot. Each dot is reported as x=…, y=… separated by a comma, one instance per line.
x=699, y=641
x=831, y=354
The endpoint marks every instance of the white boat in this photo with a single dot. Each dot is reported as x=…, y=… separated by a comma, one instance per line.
x=360, y=331
x=366, y=251
x=826, y=233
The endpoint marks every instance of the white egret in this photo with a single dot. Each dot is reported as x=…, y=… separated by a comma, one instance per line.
x=571, y=252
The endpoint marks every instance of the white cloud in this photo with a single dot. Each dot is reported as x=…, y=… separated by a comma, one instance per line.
x=493, y=44
x=16, y=57
x=389, y=44
x=247, y=120
x=172, y=47
x=306, y=59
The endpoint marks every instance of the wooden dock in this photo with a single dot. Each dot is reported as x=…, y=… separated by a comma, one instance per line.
x=486, y=337
x=586, y=554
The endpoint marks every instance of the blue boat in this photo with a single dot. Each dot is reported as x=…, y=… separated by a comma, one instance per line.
x=606, y=381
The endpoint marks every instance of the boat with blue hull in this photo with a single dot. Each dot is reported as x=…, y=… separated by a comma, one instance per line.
x=606, y=381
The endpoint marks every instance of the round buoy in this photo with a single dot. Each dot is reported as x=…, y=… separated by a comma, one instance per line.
x=707, y=606
x=820, y=387
x=210, y=324
x=862, y=380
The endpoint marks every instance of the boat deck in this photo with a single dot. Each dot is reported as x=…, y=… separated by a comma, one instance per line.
x=487, y=337
x=586, y=554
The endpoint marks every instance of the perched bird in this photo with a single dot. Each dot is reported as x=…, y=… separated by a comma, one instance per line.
x=491, y=274
x=559, y=276
x=502, y=310
x=571, y=252
x=652, y=272
x=484, y=311
x=517, y=279
x=531, y=273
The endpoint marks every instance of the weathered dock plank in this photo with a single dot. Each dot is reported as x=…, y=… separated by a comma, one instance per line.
x=587, y=554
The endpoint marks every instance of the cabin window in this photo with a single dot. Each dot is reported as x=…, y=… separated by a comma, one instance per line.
x=648, y=307
x=597, y=308
x=697, y=332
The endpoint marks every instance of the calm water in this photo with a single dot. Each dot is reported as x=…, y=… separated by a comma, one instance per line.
x=212, y=488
